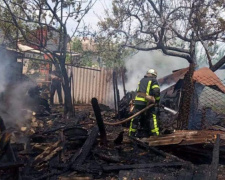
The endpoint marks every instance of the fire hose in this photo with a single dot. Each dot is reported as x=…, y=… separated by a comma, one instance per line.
x=139, y=112
x=128, y=119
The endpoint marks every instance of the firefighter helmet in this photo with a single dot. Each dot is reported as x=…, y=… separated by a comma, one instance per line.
x=152, y=71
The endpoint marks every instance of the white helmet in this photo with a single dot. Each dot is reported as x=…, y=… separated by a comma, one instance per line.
x=152, y=71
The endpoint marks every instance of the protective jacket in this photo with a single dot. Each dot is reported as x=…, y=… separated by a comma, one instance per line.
x=149, y=86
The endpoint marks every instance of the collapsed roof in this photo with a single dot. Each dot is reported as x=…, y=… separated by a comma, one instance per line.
x=203, y=76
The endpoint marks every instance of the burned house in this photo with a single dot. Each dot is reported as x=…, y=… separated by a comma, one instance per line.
x=208, y=98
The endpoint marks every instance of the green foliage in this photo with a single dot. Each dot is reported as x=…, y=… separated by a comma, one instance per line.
x=86, y=59
x=68, y=58
x=86, y=55
x=107, y=52
x=77, y=46
x=111, y=51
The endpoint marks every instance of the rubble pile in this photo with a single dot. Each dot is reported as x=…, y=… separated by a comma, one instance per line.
x=52, y=147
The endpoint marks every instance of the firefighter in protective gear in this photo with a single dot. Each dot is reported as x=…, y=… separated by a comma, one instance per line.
x=148, y=91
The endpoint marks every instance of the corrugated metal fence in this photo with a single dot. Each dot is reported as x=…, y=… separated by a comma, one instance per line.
x=88, y=83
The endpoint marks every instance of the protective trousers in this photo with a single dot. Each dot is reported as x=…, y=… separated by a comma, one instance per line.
x=144, y=124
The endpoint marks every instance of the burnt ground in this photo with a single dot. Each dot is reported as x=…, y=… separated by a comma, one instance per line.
x=51, y=147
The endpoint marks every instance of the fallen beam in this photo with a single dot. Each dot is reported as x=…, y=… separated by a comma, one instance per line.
x=184, y=137
x=117, y=167
x=86, y=147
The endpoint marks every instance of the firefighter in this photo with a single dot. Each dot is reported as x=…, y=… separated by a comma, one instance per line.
x=148, y=91
x=55, y=86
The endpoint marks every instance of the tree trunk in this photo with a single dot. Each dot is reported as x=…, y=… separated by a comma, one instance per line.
x=68, y=105
x=187, y=91
x=186, y=98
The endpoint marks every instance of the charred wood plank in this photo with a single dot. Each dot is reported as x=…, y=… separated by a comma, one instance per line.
x=156, y=151
x=79, y=157
x=41, y=146
x=99, y=119
x=86, y=147
x=48, y=153
x=186, y=137
x=117, y=167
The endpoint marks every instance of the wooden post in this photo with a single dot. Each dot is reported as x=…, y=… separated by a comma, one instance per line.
x=99, y=120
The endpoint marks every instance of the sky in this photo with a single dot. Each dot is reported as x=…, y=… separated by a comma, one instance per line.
x=93, y=16
x=97, y=11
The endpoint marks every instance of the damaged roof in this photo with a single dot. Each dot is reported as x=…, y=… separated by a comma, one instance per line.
x=203, y=75
x=208, y=78
x=173, y=78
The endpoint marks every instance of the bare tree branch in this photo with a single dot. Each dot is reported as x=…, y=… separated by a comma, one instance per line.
x=220, y=63
x=154, y=7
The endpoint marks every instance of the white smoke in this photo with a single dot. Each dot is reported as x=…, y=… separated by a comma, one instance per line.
x=17, y=96
x=165, y=86
x=3, y=72
x=12, y=93
x=138, y=65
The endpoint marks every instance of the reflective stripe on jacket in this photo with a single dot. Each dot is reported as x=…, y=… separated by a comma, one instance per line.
x=150, y=86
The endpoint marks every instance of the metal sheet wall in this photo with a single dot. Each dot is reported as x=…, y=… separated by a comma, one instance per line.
x=88, y=83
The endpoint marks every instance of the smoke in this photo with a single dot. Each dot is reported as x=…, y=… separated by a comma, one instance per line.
x=165, y=86
x=138, y=65
x=13, y=93
x=3, y=77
